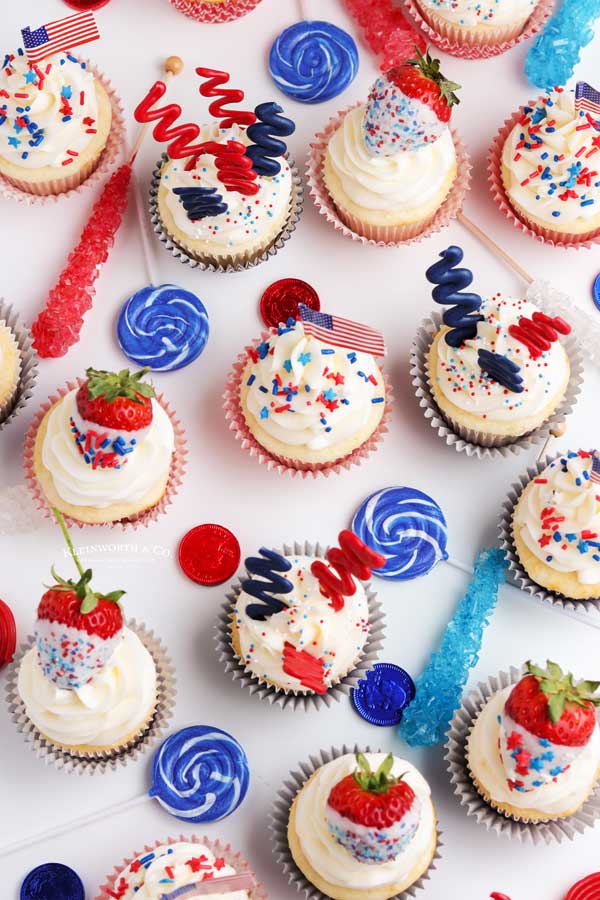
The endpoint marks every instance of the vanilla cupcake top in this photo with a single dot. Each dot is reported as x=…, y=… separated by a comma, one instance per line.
x=558, y=518
x=550, y=162
x=48, y=110
x=471, y=13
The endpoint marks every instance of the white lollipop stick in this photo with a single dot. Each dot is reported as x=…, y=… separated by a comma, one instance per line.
x=143, y=224
x=303, y=9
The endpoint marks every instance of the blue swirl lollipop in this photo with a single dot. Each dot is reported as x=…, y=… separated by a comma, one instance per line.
x=313, y=61
x=200, y=774
x=406, y=526
x=164, y=327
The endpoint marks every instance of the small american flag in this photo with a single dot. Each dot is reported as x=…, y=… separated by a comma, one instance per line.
x=61, y=34
x=595, y=473
x=587, y=99
x=342, y=332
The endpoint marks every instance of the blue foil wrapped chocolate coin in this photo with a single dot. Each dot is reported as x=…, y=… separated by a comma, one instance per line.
x=596, y=291
x=383, y=694
x=313, y=61
x=52, y=881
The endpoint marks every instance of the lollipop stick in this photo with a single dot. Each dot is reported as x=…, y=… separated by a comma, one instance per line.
x=303, y=10
x=493, y=246
x=74, y=824
x=143, y=224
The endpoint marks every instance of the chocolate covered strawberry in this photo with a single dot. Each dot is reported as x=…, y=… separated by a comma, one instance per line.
x=113, y=414
x=409, y=107
x=77, y=628
x=373, y=814
x=548, y=720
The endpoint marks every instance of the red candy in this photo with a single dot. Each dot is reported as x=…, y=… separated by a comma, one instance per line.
x=281, y=300
x=302, y=665
x=353, y=559
x=178, y=137
x=209, y=554
x=386, y=31
x=213, y=88
x=58, y=326
x=586, y=889
x=8, y=634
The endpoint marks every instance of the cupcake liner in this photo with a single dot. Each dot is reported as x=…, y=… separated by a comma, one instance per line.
x=29, y=365
x=92, y=763
x=184, y=255
x=518, y=574
x=215, y=12
x=449, y=209
x=279, y=825
x=237, y=423
x=144, y=518
x=292, y=699
x=231, y=857
x=471, y=442
x=111, y=154
x=494, y=169
x=464, y=788
x=447, y=37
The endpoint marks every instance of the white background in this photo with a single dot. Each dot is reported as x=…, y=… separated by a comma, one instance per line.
x=385, y=288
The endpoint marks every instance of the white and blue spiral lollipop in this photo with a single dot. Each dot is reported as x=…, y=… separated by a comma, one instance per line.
x=407, y=527
x=164, y=327
x=313, y=61
x=200, y=774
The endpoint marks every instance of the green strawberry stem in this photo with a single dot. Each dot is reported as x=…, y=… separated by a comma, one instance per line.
x=59, y=518
x=560, y=688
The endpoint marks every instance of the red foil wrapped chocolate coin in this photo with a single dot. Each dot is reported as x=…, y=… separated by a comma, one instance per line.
x=8, y=634
x=586, y=889
x=209, y=554
x=281, y=299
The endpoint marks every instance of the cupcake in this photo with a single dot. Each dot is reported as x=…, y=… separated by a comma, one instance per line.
x=496, y=368
x=103, y=452
x=88, y=684
x=548, y=167
x=306, y=401
x=55, y=119
x=297, y=626
x=181, y=868
x=556, y=526
x=363, y=826
x=533, y=752
x=477, y=24
x=390, y=163
x=10, y=369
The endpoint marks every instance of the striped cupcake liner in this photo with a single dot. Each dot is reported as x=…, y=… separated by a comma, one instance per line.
x=554, y=831
x=29, y=365
x=216, y=12
x=263, y=689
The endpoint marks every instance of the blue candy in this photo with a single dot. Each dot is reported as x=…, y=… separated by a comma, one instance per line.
x=265, y=134
x=200, y=774
x=407, y=527
x=164, y=327
x=552, y=58
x=463, y=317
x=52, y=881
x=313, y=61
x=382, y=695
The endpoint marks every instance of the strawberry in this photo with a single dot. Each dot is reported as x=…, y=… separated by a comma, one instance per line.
x=408, y=108
x=548, y=704
x=375, y=799
x=77, y=629
x=121, y=401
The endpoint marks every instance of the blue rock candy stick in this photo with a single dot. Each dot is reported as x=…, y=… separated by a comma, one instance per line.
x=555, y=53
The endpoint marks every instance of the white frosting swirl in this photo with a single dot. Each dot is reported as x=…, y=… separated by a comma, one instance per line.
x=464, y=384
x=331, y=860
x=470, y=13
x=546, y=159
x=566, y=793
x=391, y=184
x=111, y=707
x=172, y=866
x=309, y=624
x=332, y=397
x=80, y=485
x=246, y=217
x=564, y=490
x=54, y=107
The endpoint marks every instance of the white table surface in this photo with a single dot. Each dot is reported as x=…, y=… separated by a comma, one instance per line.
x=386, y=288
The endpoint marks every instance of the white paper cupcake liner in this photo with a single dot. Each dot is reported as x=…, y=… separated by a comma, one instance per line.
x=473, y=443
x=179, y=251
x=111, y=154
x=292, y=699
x=279, y=826
x=29, y=364
x=484, y=812
x=100, y=762
x=517, y=573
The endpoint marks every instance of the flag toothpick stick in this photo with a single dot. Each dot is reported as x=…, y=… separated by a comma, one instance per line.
x=494, y=247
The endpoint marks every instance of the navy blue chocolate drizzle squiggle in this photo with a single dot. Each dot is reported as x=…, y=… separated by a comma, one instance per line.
x=501, y=369
x=462, y=318
x=200, y=202
x=264, y=134
x=268, y=583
